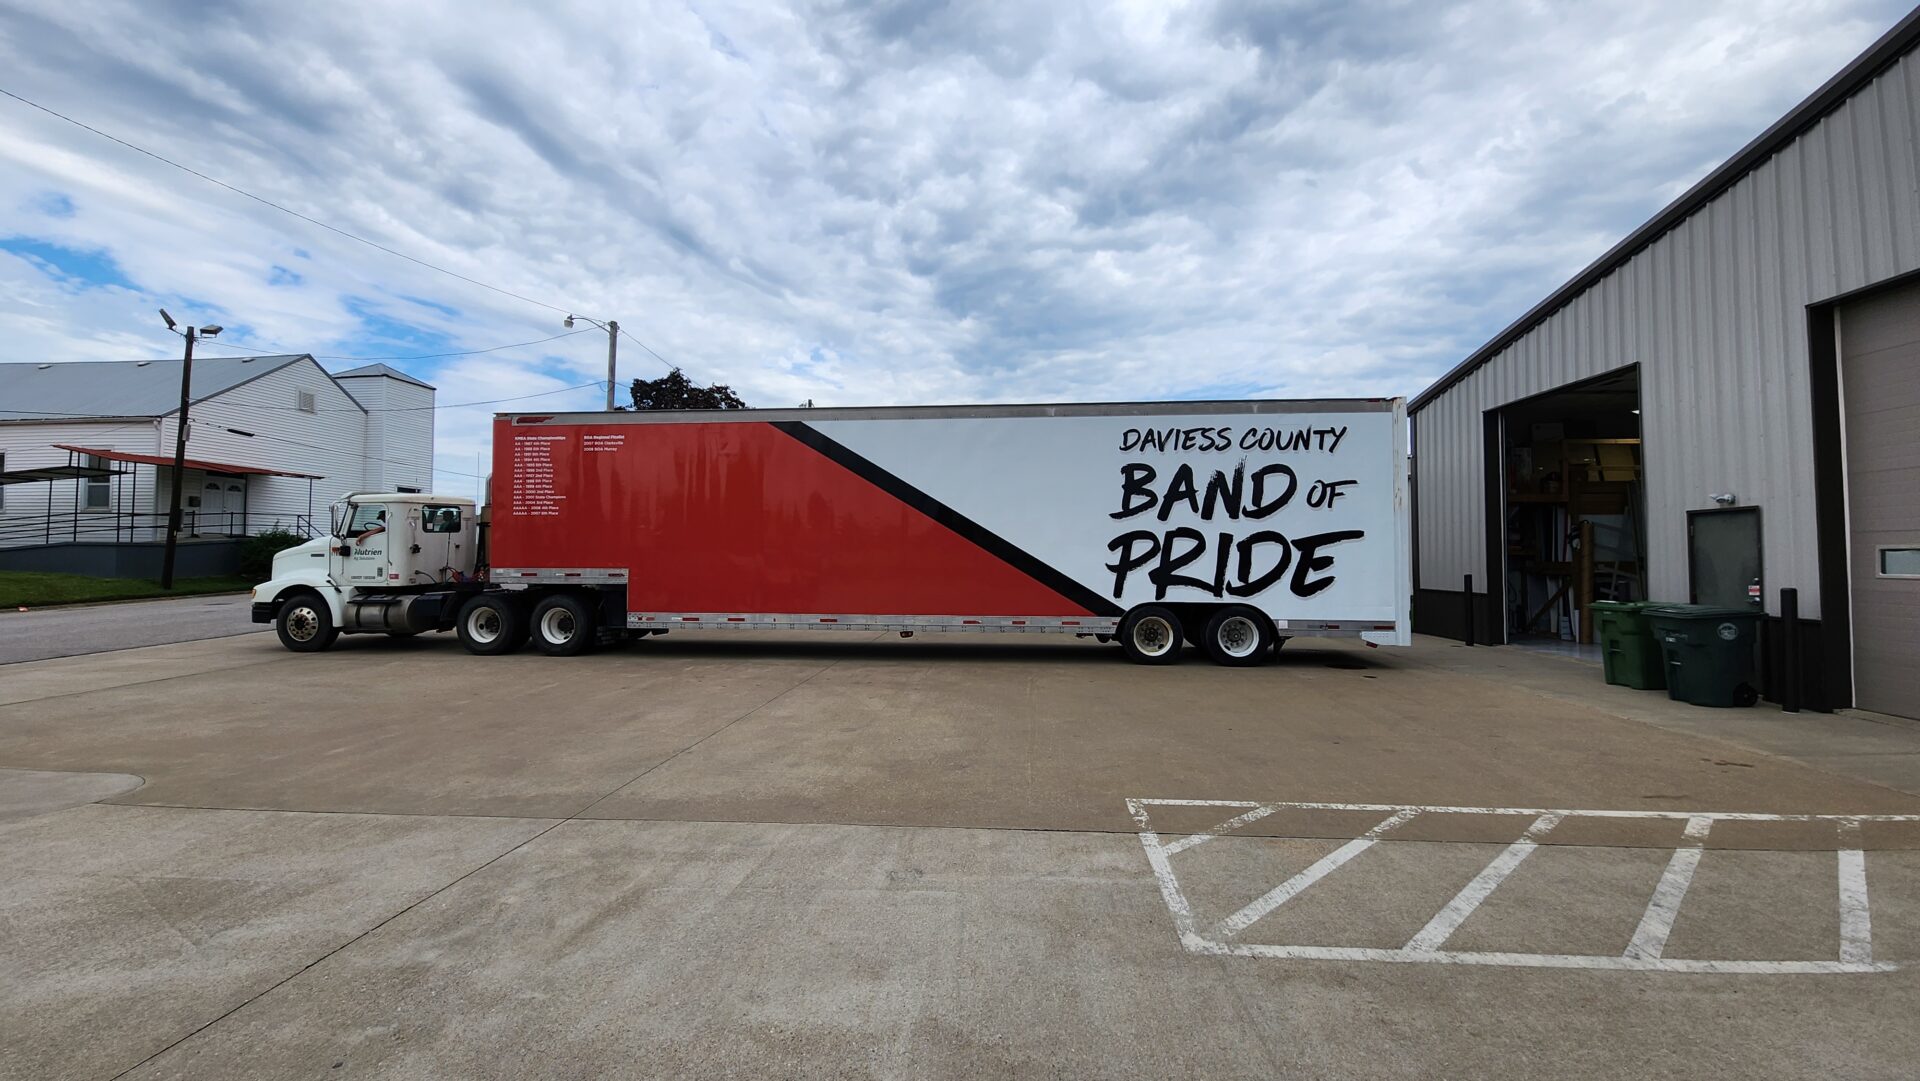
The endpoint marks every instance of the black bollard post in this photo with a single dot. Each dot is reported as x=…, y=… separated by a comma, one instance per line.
x=1790, y=651
x=1467, y=595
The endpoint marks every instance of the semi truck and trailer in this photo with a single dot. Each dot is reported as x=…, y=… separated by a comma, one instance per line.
x=1231, y=526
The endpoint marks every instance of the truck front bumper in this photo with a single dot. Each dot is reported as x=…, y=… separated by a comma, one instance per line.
x=264, y=611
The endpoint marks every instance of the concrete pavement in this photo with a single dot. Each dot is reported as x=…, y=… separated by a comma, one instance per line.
x=828, y=856
x=44, y=633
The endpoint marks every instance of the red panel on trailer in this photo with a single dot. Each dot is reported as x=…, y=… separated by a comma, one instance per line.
x=736, y=517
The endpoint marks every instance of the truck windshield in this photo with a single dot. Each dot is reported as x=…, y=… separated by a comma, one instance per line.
x=366, y=516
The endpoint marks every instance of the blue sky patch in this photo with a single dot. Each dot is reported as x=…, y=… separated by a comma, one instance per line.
x=71, y=266
x=53, y=204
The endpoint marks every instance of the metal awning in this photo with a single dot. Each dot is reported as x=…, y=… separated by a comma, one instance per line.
x=57, y=472
x=190, y=463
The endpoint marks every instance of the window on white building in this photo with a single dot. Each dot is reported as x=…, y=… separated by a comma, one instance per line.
x=99, y=494
x=305, y=402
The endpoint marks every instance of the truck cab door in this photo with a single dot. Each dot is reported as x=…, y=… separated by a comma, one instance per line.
x=366, y=542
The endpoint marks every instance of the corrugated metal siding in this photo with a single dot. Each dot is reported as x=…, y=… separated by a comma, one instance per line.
x=399, y=431
x=1714, y=314
x=30, y=446
x=328, y=441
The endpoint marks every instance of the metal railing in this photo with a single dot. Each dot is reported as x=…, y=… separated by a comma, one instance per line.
x=119, y=527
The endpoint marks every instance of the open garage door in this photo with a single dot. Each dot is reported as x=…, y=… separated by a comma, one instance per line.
x=1880, y=389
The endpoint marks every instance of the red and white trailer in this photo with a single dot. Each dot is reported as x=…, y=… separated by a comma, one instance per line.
x=1231, y=525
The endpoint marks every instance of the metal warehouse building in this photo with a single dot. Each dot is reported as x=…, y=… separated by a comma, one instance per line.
x=1724, y=405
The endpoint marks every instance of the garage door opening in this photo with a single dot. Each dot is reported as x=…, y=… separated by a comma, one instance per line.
x=1574, y=507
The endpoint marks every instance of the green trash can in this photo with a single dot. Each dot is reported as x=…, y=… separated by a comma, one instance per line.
x=1710, y=653
x=1629, y=650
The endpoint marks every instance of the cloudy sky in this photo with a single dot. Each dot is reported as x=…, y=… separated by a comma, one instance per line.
x=901, y=202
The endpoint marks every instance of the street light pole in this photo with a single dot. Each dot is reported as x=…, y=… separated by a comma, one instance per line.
x=179, y=447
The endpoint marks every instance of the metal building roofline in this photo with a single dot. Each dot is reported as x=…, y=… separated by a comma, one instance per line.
x=1882, y=54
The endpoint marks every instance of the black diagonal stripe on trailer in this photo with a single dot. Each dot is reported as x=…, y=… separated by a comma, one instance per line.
x=987, y=540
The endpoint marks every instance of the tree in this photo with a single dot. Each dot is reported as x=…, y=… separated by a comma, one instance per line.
x=675, y=391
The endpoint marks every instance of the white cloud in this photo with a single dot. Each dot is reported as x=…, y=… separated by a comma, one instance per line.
x=906, y=202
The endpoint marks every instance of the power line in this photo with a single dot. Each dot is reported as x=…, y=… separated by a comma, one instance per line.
x=32, y=413
x=420, y=356
x=649, y=349
x=451, y=405
x=333, y=229
x=311, y=446
x=284, y=210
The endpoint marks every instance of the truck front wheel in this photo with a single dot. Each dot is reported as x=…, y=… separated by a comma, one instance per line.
x=490, y=625
x=305, y=624
x=563, y=625
x=1151, y=634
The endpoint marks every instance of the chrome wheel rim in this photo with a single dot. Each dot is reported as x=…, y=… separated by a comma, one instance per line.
x=303, y=624
x=483, y=625
x=1153, y=636
x=1238, y=637
x=557, y=626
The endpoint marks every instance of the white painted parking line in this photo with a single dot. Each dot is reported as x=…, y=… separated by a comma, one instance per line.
x=1645, y=953
x=1856, y=924
x=1321, y=868
x=1656, y=923
x=1442, y=926
x=1228, y=826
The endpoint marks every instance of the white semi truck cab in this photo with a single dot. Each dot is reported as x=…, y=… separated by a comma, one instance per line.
x=396, y=563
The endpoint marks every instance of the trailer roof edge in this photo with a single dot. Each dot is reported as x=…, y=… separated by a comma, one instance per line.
x=1259, y=407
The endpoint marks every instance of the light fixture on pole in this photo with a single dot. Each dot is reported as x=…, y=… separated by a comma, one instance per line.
x=612, y=327
x=180, y=443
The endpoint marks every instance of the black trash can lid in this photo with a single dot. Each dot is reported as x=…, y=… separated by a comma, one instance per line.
x=1702, y=611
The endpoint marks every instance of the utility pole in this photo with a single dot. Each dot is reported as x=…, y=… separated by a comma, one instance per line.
x=179, y=446
x=612, y=327
x=613, y=346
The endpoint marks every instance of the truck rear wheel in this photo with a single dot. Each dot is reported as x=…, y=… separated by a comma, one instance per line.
x=305, y=624
x=1151, y=634
x=490, y=625
x=1239, y=636
x=563, y=625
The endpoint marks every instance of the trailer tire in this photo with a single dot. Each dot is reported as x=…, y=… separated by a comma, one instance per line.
x=305, y=624
x=1239, y=636
x=563, y=625
x=1151, y=634
x=491, y=624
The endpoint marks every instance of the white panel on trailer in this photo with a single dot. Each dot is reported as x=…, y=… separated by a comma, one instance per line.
x=1297, y=513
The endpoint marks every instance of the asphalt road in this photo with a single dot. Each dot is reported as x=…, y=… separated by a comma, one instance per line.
x=968, y=857
x=46, y=633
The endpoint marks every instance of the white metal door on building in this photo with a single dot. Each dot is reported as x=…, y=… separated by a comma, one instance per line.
x=1880, y=386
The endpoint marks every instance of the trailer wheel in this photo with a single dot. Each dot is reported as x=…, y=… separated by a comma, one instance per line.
x=1151, y=634
x=563, y=625
x=1239, y=636
x=305, y=625
x=490, y=625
